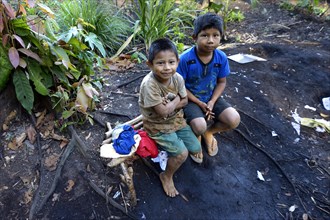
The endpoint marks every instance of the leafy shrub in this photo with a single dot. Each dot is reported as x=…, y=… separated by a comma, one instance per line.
x=158, y=18
x=58, y=66
x=107, y=22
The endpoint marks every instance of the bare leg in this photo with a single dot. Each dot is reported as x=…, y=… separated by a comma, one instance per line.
x=227, y=120
x=173, y=164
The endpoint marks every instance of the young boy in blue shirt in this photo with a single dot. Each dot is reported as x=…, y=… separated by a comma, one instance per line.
x=162, y=97
x=204, y=69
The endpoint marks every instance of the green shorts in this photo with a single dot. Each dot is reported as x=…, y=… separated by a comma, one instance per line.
x=175, y=143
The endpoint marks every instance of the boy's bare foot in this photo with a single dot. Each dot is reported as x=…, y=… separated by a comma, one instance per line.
x=211, y=144
x=168, y=185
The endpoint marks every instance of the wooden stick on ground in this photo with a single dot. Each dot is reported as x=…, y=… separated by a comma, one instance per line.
x=128, y=179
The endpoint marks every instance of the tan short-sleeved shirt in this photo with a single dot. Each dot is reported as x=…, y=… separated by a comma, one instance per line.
x=151, y=94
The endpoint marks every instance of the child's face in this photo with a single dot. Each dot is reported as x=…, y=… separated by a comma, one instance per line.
x=207, y=40
x=164, y=65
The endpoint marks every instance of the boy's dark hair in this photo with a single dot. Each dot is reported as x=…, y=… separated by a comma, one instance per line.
x=206, y=21
x=159, y=45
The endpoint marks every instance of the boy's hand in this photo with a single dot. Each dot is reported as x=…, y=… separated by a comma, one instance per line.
x=209, y=115
x=210, y=106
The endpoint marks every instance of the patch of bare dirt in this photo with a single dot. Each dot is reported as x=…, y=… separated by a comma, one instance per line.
x=295, y=167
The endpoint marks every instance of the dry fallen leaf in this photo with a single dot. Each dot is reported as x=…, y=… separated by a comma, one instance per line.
x=51, y=162
x=41, y=118
x=28, y=196
x=9, y=118
x=31, y=133
x=20, y=139
x=12, y=145
x=63, y=144
x=69, y=186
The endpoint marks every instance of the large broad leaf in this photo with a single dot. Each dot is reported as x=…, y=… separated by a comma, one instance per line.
x=24, y=92
x=35, y=75
x=29, y=53
x=59, y=74
x=6, y=68
x=62, y=55
x=8, y=9
x=20, y=26
x=13, y=56
x=92, y=40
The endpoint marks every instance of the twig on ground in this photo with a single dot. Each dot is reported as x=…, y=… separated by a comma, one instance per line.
x=276, y=163
x=130, y=81
x=123, y=197
x=128, y=179
x=114, y=113
x=41, y=171
x=81, y=145
x=110, y=200
x=257, y=120
x=125, y=94
x=34, y=208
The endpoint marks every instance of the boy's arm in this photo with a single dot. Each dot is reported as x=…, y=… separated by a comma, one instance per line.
x=221, y=84
x=198, y=102
x=166, y=109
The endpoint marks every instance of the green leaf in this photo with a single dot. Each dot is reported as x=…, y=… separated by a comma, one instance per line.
x=92, y=40
x=24, y=92
x=77, y=44
x=67, y=114
x=20, y=26
x=35, y=75
x=6, y=68
x=60, y=75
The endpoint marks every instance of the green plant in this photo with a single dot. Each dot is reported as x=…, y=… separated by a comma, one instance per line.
x=108, y=23
x=138, y=56
x=309, y=6
x=156, y=18
x=58, y=66
x=227, y=12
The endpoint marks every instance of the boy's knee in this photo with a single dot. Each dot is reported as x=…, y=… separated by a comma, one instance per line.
x=183, y=156
x=235, y=122
x=198, y=126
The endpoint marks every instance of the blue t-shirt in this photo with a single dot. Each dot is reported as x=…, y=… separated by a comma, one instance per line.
x=201, y=79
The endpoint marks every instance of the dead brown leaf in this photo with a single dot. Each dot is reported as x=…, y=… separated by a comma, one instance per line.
x=69, y=186
x=31, y=133
x=41, y=118
x=28, y=195
x=58, y=137
x=51, y=162
x=63, y=143
x=8, y=119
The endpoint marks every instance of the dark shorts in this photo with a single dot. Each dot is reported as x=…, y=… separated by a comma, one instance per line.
x=192, y=110
x=175, y=143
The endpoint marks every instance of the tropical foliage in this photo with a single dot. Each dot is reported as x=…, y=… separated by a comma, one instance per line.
x=41, y=60
x=106, y=21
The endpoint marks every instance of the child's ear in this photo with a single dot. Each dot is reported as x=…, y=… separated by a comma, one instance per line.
x=194, y=37
x=149, y=63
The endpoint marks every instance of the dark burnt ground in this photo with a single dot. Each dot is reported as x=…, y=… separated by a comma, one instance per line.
x=296, y=171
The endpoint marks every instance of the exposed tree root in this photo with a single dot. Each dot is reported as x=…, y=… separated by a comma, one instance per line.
x=276, y=163
x=36, y=206
x=130, y=81
x=110, y=200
